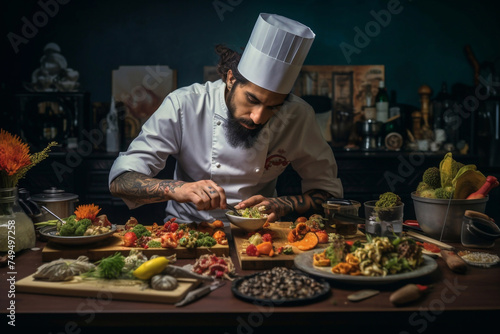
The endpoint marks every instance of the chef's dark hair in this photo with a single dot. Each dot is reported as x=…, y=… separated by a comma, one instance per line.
x=229, y=60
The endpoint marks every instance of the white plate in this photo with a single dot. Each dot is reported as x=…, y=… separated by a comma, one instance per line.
x=50, y=233
x=304, y=262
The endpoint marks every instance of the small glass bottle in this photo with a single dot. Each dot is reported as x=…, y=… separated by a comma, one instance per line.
x=382, y=102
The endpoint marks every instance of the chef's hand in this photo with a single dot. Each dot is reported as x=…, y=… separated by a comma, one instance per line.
x=205, y=194
x=275, y=208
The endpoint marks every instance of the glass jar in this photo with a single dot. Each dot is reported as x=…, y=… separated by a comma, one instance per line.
x=17, y=231
x=346, y=229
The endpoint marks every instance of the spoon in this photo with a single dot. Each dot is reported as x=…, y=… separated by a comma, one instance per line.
x=234, y=210
x=53, y=214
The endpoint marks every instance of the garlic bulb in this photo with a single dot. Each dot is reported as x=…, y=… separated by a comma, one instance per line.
x=163, y=282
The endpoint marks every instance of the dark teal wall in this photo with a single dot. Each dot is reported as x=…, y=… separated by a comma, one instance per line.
x=422, y=44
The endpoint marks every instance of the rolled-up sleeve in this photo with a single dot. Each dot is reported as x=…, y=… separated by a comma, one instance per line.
x=159, y=138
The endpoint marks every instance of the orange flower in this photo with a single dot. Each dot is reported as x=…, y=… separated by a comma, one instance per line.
x=14, y=154
x=15, y=158
x=88, y=211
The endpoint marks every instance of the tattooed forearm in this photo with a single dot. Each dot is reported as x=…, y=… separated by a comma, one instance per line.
x=307, y=203
x=143, y=189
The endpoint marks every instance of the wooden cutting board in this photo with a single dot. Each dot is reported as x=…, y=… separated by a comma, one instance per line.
x=113, y=244
x=131, y=290
x=279, y=232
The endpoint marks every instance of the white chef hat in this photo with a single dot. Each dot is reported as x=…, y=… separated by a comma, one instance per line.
x=275, y=52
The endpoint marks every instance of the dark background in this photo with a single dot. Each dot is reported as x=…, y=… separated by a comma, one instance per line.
x=423, y=44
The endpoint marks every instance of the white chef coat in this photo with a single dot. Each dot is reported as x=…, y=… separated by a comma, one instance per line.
x=190, y=126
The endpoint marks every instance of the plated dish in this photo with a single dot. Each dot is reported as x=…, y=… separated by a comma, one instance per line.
x=304, y=262
x=50, y=232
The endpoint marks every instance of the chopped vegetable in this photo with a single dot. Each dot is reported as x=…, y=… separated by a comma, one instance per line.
x=252, y=250
x=154, y=244
x=109, y=267
x=129, y=239
x=309, y=241
x=255, y=239
x=74, y=227
x=265, y=247
x=140, y=230
x=335, y=252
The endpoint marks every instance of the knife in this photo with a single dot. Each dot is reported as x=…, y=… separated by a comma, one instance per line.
x=425, y=238
x=200, y=293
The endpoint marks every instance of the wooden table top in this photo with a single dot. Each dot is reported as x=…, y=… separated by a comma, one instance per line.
x=452, y=302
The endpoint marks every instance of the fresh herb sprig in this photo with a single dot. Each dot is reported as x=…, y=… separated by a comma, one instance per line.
x=109, y=267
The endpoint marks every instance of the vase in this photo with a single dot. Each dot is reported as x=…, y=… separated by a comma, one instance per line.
x=17, y=231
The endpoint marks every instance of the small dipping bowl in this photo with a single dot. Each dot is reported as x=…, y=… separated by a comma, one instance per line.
x=246, y=224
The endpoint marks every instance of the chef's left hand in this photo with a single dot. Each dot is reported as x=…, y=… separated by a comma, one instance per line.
x=275, y=208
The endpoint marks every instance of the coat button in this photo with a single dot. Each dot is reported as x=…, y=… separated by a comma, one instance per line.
x=257, y=170
x=219, y=122
x=217, y=165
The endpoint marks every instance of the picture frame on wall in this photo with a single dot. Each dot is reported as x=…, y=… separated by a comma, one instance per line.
x=346, y=86
x=138, y=91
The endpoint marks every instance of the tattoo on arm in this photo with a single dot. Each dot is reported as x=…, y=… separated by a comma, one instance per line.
x=143, y=189
x=305, y=204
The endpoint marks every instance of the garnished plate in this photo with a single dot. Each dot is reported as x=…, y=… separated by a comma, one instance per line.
x=50, y=232
x=304, y=262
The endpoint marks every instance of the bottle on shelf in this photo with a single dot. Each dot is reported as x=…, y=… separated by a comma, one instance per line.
x=369, y=109
x=382, y=102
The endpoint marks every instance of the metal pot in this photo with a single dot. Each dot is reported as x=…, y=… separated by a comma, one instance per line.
x=57, y=201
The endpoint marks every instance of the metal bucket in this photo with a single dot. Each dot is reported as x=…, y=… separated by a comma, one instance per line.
x=432, y=213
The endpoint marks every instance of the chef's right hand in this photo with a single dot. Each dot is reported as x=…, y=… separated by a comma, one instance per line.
x=204, y=194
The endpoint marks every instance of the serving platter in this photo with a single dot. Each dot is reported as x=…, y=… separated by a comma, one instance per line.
x=304, y=262
x=50, y=232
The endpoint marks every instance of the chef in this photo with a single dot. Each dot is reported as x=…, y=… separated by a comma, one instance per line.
x=232, y=138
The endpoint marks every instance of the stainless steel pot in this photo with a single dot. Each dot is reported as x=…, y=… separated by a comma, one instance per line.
x=57, y=201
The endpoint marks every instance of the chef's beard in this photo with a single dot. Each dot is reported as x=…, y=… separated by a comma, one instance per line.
x=237, y=135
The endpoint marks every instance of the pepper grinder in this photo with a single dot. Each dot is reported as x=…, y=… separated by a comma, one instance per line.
x=425, y=91
x=417, y=124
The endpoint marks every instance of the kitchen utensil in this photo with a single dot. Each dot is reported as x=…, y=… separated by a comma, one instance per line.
x=53, y=214
x=58, y=201
x=478, y=230
x=425, y=238
x=432, y=213
x=362, y=295
x=200, y=293
x=234, y=210
x=454, y=262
